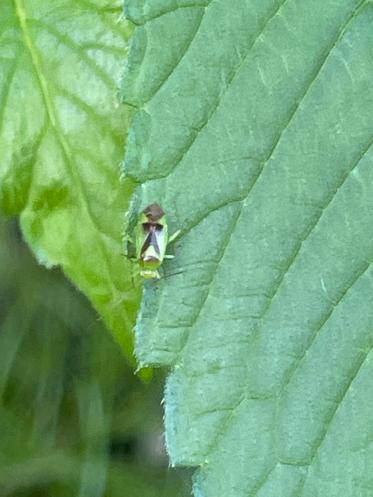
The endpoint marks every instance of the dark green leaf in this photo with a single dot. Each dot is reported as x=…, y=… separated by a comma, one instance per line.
x=254, y=132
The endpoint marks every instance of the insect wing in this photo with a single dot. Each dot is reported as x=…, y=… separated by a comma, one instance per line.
x=141, y=237
x=150, y=250
x=154, y=246
x=161, y=241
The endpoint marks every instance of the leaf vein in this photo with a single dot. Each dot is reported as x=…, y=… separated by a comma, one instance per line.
x=7, y=87
x=22, y=17
x=335, y=411
x=309, y=85
x=257, y=176
x=178, y=7
x=219, y=100
x=182, y=55
x=68, y=42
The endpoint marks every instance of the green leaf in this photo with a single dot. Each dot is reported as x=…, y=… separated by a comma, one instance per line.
x=255, y=134
x=61, y=143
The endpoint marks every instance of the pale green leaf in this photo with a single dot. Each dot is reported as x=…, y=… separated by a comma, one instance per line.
x=62, y=132
x=254, y=131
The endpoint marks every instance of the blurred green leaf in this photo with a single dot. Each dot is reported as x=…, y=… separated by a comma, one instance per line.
x=62, y=134
x=74, y=419
x=254, y=132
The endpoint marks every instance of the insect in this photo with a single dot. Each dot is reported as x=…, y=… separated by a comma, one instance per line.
x=151, y=240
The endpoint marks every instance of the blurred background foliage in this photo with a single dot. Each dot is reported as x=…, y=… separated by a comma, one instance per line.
x=74, y=419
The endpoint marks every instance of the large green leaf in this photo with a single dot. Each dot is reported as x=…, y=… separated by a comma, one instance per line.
x=62, y=133
x=254, y=131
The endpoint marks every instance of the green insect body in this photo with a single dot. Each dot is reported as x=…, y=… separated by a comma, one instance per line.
x=151, y=240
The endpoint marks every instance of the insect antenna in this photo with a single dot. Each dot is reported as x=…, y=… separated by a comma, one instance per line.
x=171, y=274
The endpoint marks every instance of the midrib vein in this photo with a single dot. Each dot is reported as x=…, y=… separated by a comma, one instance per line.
x=36, y=63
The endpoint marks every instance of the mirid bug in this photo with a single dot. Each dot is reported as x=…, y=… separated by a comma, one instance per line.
x=151, y=240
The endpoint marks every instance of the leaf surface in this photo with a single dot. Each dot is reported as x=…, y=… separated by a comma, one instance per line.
x=62, y=133
x=254, y=132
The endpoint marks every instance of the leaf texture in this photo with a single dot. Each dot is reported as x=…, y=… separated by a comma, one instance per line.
x=254, y=131
x=62, y=133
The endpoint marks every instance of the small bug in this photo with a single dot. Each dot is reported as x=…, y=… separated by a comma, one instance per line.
x=151, y=240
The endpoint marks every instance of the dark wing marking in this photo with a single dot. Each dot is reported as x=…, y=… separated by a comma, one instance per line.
x=150, y=240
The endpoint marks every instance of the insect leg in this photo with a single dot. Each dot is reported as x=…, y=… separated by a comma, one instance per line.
x=174, y=236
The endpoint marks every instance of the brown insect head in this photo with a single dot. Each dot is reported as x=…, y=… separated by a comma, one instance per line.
x=154, y=213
